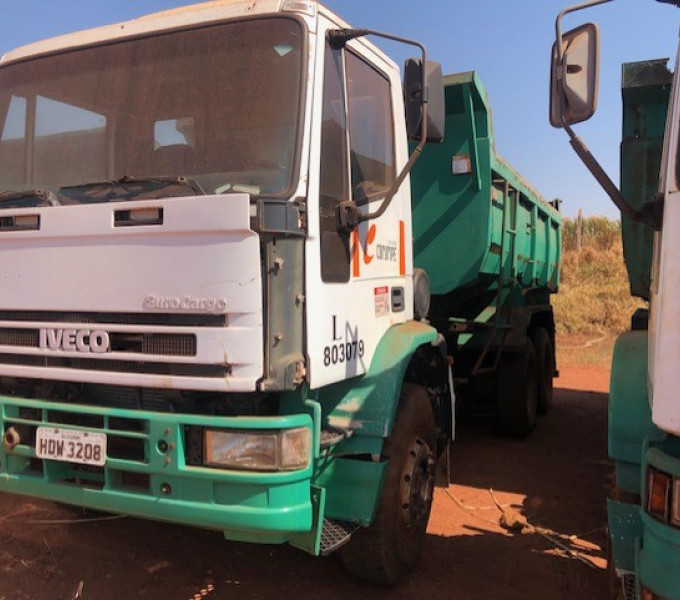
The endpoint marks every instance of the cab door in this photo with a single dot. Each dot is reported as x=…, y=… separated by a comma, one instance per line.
x=356, y=283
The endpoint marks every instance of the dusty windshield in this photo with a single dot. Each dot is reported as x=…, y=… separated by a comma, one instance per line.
x=211, y=110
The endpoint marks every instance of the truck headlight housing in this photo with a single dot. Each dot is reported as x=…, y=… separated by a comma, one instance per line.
x=273, y=450
x=662, y=499
x=659, y=486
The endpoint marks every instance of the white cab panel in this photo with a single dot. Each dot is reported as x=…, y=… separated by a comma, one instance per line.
x=202, y=260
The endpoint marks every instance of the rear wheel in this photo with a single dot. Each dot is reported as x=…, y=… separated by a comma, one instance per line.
x=387, y=550
x=517, y=393
x=545, y=369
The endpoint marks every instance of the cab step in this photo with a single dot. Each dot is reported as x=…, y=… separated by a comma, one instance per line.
x=334, y=435
x=335, y=534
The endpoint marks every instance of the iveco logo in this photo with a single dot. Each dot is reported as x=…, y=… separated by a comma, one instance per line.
x=75, y=340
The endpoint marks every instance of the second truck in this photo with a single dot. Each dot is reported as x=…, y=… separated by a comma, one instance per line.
x=228, y=297
x=644, y=409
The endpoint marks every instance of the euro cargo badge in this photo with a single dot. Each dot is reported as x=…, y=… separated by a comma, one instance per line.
x=211, y=304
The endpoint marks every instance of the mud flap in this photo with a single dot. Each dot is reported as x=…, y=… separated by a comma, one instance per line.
x=625, y=529
x=310, y=541
x=443, y=467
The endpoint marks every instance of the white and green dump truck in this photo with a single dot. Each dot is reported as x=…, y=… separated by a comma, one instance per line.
x=233, y=297
x=644, y=408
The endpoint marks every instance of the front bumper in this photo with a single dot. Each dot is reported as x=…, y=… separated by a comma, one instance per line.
x=658, y=557
x=146, y=473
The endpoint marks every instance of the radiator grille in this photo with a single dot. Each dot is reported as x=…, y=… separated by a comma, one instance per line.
x=118, y=366
x=23, y=338
x=169, y=345
x=160, y=344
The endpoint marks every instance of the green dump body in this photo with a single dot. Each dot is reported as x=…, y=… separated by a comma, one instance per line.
x=470, y=208
x=645, y=88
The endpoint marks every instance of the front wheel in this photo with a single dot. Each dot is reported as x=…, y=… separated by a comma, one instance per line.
x=387, y=550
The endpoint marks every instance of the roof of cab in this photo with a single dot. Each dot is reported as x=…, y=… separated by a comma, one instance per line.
x=206, y=12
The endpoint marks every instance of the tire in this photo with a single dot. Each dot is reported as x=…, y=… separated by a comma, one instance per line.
x=517, y=393
x=545, y=369
x=389, y=548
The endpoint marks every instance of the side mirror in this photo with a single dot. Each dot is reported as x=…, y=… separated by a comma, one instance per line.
x=574, y=76
x=414, y=101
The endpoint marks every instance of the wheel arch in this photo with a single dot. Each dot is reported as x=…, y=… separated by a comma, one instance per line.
x=368, y=405
x=630, y=416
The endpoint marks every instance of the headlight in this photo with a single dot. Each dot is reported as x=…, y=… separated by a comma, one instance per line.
x=277, y=450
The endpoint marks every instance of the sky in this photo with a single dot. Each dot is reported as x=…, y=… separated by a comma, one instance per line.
x=507, y=43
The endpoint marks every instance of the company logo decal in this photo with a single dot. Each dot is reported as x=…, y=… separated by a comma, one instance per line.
x=365, y=249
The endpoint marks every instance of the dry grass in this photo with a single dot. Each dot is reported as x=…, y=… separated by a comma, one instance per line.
x=578, y=350
x=597, y=233
x=594, y=297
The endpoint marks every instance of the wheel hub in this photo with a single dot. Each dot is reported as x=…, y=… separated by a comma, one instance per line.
x=417, y=483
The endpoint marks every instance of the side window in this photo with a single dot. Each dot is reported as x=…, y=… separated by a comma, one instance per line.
x=371, y=129
x=13, y=142
x=334, y=176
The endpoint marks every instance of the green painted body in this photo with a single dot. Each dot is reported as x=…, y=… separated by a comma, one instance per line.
x=464, y=223
x=245, y=506
x=273, y=505
x=645, y=90
x=643, y=548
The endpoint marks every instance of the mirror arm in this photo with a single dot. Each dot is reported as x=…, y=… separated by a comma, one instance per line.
x=600, y=175
x=394, y=188
x=566, y=11
x=650, y=212
x=348, y=212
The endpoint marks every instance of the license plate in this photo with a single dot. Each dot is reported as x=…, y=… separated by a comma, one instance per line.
x=70, y=445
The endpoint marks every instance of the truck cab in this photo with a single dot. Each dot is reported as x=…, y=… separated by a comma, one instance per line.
x=186, y=333
x=211, y=313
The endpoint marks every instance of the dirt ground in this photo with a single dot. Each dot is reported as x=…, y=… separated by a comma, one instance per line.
x=557, y=479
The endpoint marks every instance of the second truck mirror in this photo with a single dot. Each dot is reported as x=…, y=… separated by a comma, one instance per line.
x=574, y=79
x=413, y=99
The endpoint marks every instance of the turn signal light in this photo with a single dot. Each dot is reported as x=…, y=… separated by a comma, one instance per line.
x=658, y=494
x=675, y=514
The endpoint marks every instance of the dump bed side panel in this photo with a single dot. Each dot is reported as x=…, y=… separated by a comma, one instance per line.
x=470, y=208
x=645, y=90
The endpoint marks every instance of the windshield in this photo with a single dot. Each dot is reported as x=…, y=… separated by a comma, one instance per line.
x=218, y=106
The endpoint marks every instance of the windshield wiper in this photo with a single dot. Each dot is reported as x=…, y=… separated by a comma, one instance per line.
x=11, y=199
x=179, y=180
x=128, y=180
